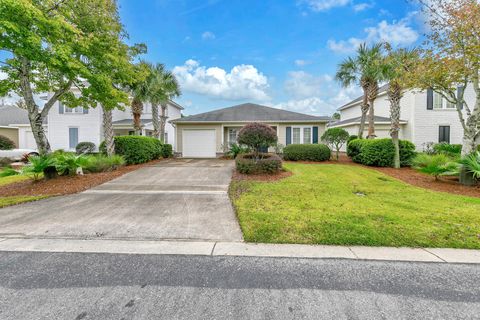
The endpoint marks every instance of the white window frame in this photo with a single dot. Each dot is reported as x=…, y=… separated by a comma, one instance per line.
x=76, y=110
x=229, y=141
x=302, y=138
x=78, y=137
x=444, y=102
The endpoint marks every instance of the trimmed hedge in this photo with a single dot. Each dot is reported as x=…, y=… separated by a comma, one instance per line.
x=85, y=147
x=136, y=149
x=448, y=149
x=380, y=152
x=306, y=152
x=167, y=150
x=6, y=143
x=269, y=163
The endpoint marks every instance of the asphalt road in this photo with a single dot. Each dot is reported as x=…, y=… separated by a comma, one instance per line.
x=115, y=286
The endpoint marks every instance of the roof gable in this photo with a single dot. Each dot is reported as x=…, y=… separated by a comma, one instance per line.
x=382, y=89
x=250, y=112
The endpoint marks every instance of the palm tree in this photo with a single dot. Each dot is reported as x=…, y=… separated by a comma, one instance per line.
x=396, y=67
x=365, y=70
x=163, y=87
x=108, y=130
x=139, y=90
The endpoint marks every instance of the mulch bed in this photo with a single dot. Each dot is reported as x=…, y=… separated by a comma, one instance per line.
x=261, y=177
x=415, y=178
x=66, y=185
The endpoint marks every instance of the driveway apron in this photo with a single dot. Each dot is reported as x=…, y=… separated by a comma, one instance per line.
x=174, y=199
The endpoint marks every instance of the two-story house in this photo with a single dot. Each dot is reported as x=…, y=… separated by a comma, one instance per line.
x=425, y=117
x=66, y=127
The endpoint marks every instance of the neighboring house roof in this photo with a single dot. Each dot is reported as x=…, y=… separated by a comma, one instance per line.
x=382, y=89
x=130, y=121
x=377, y=119
x=11, y=114
x=250, y=112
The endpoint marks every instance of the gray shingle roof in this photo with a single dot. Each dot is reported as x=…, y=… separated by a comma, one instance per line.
x=130, y=121
x=10, y=114
x=382, y=89
x=249, y=112
x=357, y=120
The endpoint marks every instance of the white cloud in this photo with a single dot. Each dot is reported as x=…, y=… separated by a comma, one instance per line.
x=397, y=33
x=324, y=5
x=242, y=82
x=207, y=35
x=301, y=84
x=301, y=63
x=362, y=6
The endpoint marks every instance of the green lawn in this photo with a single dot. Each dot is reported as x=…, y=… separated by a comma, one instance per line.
x=12, y=179
x=351, y=205
x=9, y=201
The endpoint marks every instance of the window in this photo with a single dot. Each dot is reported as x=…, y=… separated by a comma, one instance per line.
x=301, y=135
x=440, y=102
x=73, y=110
x=165, y=137
x=72, y=137
x=232, y=136
x=444, y=134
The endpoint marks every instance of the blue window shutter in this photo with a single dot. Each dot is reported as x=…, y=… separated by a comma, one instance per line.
x=429, y=99
x=288, y=139
x=85, y=110
x=460, y=93
x=73, y=137
x=61, y=108
x=315, y=135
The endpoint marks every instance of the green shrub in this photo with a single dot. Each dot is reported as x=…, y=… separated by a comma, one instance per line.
x=335, y=138
x=306, y=152
x=103, y=163
x=7, y=172
x=6, y=143
x=69, y=163
x=435, y=165
x=453, y=150
x=38, y=164
x=85, y=147
x=380, y=152
x=268, y=163
x=257, y=136
x=472, y=164
x=236, y=149
x=167, y=150
x=136, y=149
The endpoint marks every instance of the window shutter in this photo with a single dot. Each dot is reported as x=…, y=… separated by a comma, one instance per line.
x=85, y=110
x=429, y=99
x=315, y=135
x=460, y=93
x=61, y=108
x=288, y=139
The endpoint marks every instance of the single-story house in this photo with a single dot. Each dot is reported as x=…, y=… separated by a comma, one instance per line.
x=209, y=134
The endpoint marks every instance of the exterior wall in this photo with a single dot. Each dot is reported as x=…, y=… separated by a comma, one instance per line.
x=10, y=133
x=25, y=137
x=221, y=132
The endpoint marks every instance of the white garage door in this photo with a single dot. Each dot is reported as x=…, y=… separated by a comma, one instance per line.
x=199, y=143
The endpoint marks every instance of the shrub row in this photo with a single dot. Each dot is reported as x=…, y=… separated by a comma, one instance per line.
x=139, y=149
x=447, y=149
x=380, y=152
x=306, y=152
x=268, y=163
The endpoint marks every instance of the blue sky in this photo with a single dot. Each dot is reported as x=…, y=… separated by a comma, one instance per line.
x=281, y=53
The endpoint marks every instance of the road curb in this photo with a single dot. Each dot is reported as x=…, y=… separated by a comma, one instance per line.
x=239, y=249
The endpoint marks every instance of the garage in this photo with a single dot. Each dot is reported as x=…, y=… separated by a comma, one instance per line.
x=199, y=143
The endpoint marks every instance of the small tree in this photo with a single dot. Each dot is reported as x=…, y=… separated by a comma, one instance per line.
x=257, y=136
x=335, y=138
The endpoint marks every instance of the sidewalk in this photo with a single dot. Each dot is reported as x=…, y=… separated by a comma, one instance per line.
x=211, y=248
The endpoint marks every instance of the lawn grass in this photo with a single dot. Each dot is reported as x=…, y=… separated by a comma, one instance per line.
x=12, y=179
x=351, y=205
x=10, y=201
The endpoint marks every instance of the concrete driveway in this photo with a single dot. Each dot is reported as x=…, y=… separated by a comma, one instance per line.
x=174, y=199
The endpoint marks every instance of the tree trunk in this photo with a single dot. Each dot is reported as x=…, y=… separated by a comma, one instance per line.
x=108, y=131
x=155, y=121
x=372, y=95
x=364, y=109
x=163, y=120
x=137, y=110
x=395, y=96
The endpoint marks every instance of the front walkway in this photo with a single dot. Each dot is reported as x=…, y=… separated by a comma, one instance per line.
x=174, y=199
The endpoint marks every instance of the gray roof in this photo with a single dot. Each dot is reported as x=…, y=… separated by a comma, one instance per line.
x=382, y=89
x=11, y=114
x=357, y=120
x=130, y=121
x=249, y=112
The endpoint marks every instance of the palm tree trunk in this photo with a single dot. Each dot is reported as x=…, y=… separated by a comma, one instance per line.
x=156, y=121
x=364, y=108
x=137, y=109
x=163, y=120
x=395, y=95
x=372, y=95
x=108, y=131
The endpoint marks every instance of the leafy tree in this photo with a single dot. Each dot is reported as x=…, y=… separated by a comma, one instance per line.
x=257, y=136
x=450, y=61
x=140, y=91
x=335, y=138
x=364, y=69
x=336, y=116
x=397, y=66
x=52, y=46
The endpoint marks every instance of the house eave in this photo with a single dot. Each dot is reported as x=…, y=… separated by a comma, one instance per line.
x=248, y=121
